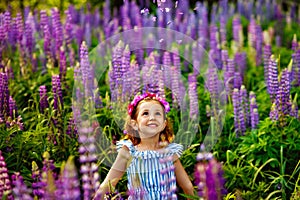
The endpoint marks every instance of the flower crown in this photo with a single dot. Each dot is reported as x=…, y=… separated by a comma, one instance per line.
x=153, y=96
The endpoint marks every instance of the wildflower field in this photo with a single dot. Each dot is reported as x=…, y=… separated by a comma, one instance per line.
x=230, y=71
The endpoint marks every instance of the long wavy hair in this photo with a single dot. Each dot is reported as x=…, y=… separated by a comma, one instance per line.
x=133, y=135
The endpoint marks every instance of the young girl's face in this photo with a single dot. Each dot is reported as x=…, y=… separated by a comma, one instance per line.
x=150, y=119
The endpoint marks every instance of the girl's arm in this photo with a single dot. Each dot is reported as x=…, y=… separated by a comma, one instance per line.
x=115, y=173
x=183, y=179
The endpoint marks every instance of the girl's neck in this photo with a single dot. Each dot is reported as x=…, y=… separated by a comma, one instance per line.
x=149, y=144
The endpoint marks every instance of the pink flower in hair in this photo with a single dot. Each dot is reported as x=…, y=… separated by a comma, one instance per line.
x=153, y=96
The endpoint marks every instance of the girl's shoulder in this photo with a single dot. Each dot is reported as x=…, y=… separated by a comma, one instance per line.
x=175, y=148
x=126, y=143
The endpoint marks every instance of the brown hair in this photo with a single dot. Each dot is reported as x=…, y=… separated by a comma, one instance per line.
x=133, y=135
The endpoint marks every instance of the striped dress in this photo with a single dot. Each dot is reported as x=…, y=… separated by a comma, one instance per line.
x=151, y=173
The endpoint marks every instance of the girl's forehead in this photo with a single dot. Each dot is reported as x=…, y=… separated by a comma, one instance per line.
x=151, y=105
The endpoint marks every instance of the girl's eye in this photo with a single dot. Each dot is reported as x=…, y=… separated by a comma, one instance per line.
x=158, y=113
x=145, y=113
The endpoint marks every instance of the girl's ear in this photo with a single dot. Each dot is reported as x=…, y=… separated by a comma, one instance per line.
x=133, y=124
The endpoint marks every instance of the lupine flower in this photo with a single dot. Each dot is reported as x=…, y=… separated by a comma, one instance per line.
x=69, y=185
x=20, y=190
x=13, y=113
x=88, y=158
x=68, y=28
x=253, y=111
x=72, y=129
x=116, y=71
x=224, y=58
x=193, y=96
x=294, y=43
x=240, y=59
x=62, y=64
x=212, y=86
x=236, y=109
x=43, y=98
x=237, y=31
x=295, y=71
x=175, y=86
x=209, y=177
x=258, y=44
x=252, y=33
x=267, y=55
x=273, y=77
x=223, y=28
x=244, y=112
x=167, y=63
x=57, y=31
x=57, y=92
x=294, y=110
x=229, y=76
x=4, y=100
x=237, y=82
x=5, y=183
x=274, y=113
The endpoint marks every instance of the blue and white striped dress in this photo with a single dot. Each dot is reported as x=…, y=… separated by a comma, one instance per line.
x=151, y=173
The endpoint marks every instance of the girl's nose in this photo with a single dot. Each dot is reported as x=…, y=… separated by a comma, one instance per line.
x=151, y=117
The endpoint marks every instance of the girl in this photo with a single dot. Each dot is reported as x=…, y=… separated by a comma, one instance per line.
x=147, y=154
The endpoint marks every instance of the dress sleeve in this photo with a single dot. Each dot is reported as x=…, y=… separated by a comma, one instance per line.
x=126, y=143
x=175, y=149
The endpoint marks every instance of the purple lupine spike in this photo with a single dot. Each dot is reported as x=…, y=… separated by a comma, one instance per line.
x=252, y=32
x=240, y=59
x=297, y=67
x=68, y=28
x=20, y=28
x=72, y=129
x=209, y=177
x=88, y=159
x=176, y=58
x=20, y=190
x=13, y=113
x=294, y=110
x=47, y=42
x=126, y=76
x=294, y=43
x=43, y=98
x=223, y=33
x=278, y=41
x=5, y=184
x=116, y=71
x=7, y=23
x=224, y=58
x=29, y=39
x=253, y=110
x=274, y=116
x=57, y=30
x=237, y=31
x=273, y=77
x=86, y=71
x=212, y=86
x=244, y=115
x=267, y=54
x=236, y=109
x=285, y=87
x=57, y=92
x=44, y=20
x=4, y=106
x=229, y=76
x=176, y=98
x=237, y=82
x=68, y=182
x=62, y=64
x=136, y=78
x=193, y=96
x=167, y=63
x=258, y=44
